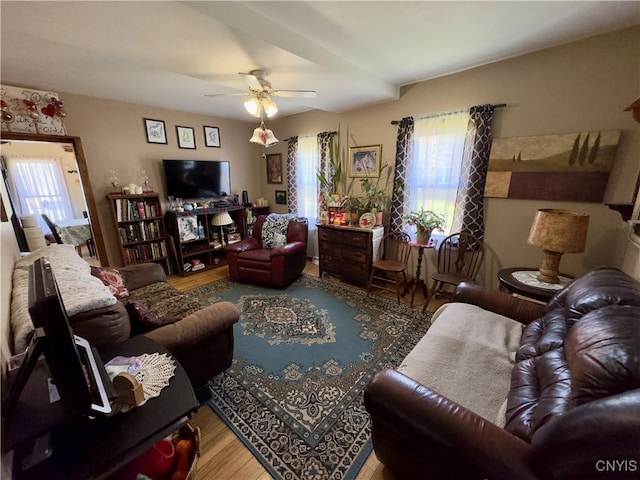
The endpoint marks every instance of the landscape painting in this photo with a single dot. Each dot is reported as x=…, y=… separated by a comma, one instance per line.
x=565, y=167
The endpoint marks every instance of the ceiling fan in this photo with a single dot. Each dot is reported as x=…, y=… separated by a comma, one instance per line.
x=261, y=92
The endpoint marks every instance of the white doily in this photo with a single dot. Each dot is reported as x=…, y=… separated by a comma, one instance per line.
x=152, y=370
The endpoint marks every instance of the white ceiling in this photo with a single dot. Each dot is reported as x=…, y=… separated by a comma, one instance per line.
x=170, y=54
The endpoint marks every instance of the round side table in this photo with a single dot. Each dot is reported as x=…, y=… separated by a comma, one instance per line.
x=523, y=281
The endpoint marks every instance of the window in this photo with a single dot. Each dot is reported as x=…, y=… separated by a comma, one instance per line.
x=38, y=187
x=433, y=172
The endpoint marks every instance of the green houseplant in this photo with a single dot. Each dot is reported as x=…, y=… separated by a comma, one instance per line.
x=425, y=221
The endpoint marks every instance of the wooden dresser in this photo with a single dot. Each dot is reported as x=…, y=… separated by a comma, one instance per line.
x=347, y=252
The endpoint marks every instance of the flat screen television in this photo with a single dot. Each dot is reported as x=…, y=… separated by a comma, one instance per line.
x=76, y=369
x=197, y=178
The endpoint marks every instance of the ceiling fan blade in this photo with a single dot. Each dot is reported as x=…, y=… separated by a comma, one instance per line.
x=295, y=93
x=252, y=81
x=244, y=94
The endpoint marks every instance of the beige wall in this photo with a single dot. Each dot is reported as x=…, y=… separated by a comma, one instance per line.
x=113, y=136
x=576, y=87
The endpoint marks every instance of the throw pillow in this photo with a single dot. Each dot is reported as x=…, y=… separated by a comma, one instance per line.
x=112, y=279
x=279, y=239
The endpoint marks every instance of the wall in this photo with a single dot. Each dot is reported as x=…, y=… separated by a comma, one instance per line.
x=113, y=136
x=581, y=86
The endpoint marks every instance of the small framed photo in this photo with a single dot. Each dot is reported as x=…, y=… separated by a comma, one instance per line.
x=211, y=137
x=281, y=197
x=156, y=133
x=186, y=137
x=365, y=161
x=274, y=168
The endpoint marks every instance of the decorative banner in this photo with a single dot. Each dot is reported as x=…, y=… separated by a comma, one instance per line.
x=31, y=111
x=567, y=167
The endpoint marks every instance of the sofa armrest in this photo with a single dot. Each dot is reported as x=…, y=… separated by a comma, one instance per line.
x=498, y=302
x=243, y=246
x=197, y=328
x=289, y=249
x=142, y=274
x=432, y=422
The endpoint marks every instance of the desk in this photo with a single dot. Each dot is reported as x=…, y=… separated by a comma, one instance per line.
x=418, y=280
x=94, y=448
x=523, y=281
x=74, y=231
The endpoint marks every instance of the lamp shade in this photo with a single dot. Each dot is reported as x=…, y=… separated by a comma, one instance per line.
x=559, y=230
x=270, y=107
x=221, y=219
x=253, y=106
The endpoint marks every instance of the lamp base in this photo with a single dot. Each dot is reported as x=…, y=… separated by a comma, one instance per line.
x=548, y=272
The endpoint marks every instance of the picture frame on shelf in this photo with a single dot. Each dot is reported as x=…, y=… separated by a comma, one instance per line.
x=186, y=137
x=274, y=168
x=281, y=197
x=211, y=136
x=155, y=131
x=365, y=161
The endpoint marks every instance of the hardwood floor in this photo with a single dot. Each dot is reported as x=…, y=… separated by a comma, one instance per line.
x=222, y=455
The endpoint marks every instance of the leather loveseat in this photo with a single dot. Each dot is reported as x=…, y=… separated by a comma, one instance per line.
x=571, y=390
x=200, y=338
x=264, y=258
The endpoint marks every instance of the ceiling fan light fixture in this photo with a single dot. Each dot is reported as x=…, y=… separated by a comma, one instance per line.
x=253, y=106
x=270, y=107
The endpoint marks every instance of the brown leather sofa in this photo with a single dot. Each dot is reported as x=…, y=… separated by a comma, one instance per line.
x=250, y=261
x=573, y=405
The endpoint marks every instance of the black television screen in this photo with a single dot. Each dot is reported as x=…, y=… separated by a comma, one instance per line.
x=197, y=178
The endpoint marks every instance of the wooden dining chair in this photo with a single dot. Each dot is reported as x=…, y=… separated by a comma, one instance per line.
x=54, y=231
x=460, y=256
x=395, y=257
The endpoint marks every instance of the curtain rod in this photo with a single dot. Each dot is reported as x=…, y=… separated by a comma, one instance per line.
x=310, y=135
x=396, y=122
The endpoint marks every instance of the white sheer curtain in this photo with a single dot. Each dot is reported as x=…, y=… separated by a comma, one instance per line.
x=307, y=186
x=433, y=172
x=37, y=186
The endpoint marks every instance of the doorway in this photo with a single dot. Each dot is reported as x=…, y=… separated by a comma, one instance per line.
x=86, y=198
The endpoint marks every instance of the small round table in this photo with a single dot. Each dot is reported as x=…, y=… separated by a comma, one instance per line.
x=523, y=281
x=419, y=281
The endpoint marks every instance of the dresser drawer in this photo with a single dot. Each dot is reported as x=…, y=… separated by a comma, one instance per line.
x=345, y=268
x=345, y=237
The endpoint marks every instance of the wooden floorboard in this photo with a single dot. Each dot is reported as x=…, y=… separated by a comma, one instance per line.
x=223, y=456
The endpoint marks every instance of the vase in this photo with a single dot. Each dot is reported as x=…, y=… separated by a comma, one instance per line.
x=423, y=236
x=378, y=219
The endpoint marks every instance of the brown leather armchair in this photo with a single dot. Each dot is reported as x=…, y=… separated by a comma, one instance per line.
x=573, y=408
x=250, y=262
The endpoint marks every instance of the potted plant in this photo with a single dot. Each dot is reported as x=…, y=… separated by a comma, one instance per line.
x=353, y=205
x=425, y=221
x=376, y=197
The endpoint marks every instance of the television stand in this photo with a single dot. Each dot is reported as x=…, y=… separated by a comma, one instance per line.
x=82, y=447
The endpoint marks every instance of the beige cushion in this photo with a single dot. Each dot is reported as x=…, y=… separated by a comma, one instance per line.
x=467, y=356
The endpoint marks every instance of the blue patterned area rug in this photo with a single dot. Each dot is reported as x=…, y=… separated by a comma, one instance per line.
x=302, y=358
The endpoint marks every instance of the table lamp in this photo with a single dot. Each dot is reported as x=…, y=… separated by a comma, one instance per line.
x=220, y=220
x=557, y=231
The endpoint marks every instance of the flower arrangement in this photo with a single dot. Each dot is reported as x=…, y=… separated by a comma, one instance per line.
x=425, y=221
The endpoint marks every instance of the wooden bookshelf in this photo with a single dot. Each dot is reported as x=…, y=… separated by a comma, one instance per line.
x=141, y=233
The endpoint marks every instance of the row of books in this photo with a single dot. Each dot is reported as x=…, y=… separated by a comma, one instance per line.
x=145, y=252
x=128, y=210
x=141, y=231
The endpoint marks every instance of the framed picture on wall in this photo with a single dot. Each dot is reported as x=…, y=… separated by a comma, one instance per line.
x=186, y=137
x=211, y=137
x=274, y=168
x=365, y=161
x=281, y=197
x=155, y=131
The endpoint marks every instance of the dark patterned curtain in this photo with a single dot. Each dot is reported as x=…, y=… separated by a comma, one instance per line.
x=324, y=139
x=404, y=151
x=469, y=212
x=292, y=187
